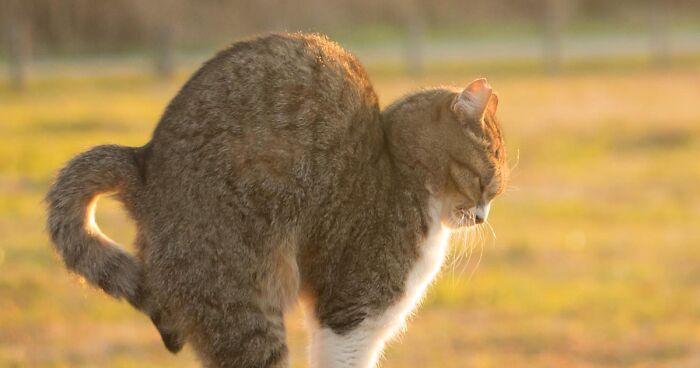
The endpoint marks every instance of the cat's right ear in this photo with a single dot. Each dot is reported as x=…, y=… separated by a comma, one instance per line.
x=471, y=104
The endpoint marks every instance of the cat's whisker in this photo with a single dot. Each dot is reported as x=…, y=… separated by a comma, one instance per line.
x=464, y=236
x=456, y=240
x=478, y=262
x=461, y=245
x=456, y=251
x=461, y=240
x=469, y=245
x=512, y=168
x=512, y=188
x=463, y=251
x=473, y=244
x=492, y=231
x=455, y=255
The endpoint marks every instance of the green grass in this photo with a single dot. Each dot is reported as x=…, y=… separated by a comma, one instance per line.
x=595, y=262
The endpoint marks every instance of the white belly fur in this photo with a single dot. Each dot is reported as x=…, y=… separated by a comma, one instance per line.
x=362, y=347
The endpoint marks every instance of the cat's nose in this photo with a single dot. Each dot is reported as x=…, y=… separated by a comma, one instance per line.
x=480, y=213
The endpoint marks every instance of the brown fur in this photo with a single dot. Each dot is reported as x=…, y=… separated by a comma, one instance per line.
x=273, y=173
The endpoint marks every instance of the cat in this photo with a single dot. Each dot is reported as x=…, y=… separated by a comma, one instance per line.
x=274, y=176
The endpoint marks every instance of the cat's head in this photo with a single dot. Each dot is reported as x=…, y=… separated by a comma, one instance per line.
x=455, y=144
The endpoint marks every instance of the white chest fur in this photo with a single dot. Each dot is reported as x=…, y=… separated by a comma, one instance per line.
x=432, y=255
x=362, y=347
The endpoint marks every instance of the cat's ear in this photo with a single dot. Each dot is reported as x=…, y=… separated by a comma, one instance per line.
x=493, y=103
x=473, y=102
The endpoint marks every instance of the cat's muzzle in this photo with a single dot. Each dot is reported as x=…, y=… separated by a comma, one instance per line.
x=475, y=215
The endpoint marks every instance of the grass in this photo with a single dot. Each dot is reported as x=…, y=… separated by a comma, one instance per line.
x=595, y=264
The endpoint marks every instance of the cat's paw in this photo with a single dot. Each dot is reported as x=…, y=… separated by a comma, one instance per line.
x=172, y=339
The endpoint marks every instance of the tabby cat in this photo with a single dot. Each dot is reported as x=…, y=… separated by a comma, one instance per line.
x=274, y=176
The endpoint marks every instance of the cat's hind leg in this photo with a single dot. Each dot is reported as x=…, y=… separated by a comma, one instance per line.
x=244, y=336
x=225, y=298
x=240, y=322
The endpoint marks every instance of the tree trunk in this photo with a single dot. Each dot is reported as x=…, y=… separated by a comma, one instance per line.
x=659, y=32
x=18, y=44
x=415, y=37
x=164, y=51
x=554, y=14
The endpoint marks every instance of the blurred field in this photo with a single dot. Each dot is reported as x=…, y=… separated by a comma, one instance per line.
x=596, y=261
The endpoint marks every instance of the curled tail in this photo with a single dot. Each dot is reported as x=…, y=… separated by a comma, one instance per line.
x=71, y=225
x=84, y=248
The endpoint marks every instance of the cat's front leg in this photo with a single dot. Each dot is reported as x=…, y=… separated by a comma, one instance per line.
x=359, y=347
x=350, y=336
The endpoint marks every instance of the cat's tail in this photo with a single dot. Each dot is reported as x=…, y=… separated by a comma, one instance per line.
x=85, y=249
x=71, y=223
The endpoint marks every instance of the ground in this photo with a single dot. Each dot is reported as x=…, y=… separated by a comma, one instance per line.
x=595, y=259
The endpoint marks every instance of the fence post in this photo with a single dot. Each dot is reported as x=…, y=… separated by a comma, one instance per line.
x=414, y=28
x=164, y=50
x=18, y=43
x=660, y=42
x=554, y=14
